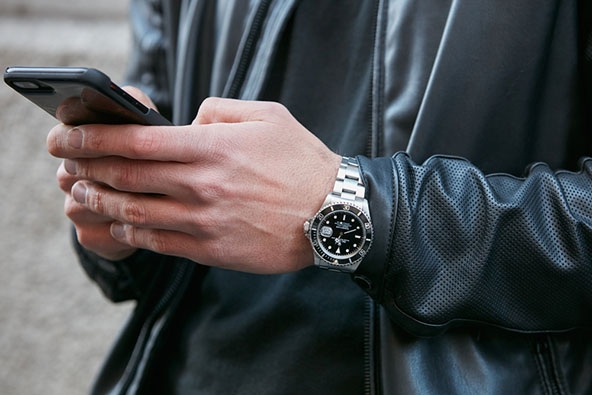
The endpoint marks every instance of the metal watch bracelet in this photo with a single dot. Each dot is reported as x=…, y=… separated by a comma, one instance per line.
x=348, y=188
x=349, y=185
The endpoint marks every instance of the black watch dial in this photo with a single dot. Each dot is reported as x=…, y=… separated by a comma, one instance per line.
x=341, y=234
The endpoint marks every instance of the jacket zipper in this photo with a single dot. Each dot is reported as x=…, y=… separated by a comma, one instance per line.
x=370, y=149
x=249, y=49
x=368, y=354
x=180, y=277
x=372, y=370
x=181, y=273
x=547, y=366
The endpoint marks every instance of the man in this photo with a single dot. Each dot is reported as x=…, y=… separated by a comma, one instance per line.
x=472, y=279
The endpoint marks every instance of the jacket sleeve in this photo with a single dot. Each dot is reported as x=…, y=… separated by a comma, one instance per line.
x=454, y=246
x=127, y=279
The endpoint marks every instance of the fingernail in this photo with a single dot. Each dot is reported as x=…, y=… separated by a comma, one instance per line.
x=79, y=193
x=117, y=230
x=70, y=166
x=75, y=138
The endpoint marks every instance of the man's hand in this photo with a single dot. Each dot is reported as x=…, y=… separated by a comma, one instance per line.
x=232, y=189
x=93, y=230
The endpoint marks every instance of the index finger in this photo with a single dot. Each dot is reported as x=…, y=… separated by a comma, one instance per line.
x=160, y=143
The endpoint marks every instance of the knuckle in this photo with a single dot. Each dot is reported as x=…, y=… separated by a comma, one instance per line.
x=217, y=252
x=94, y=141
x=95, y=201
x=150, y=239
x=210, y=104
x=124, y=175
x=134, y=213
x=214, y=191
x=157, y=242
x=208, y=110
x=83, y=169
x=145, y=144
x=202, y=221
x=219, y=146
x=211, y=190
x=268, y=111
x=275, y=109
x=131, y=236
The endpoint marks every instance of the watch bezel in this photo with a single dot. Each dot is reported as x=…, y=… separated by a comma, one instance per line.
x=368, y=234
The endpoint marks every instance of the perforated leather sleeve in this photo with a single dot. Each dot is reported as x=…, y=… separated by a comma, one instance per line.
x=469, y=248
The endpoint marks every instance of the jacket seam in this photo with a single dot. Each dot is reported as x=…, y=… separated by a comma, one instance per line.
x=376, y=125
x=391, y=238
x=187, y=29
x=153, y=324
x=541, y=371
x=422, y=328
x=369, y=365
x=583, y=166
x=555, y=366
x=377, y=79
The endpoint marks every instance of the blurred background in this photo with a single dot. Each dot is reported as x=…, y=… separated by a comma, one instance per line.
x=55, y=326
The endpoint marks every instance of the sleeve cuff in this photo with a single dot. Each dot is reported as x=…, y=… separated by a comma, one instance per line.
x=120, y=280
x=380, y=180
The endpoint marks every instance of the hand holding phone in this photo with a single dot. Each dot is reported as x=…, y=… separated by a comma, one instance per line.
x=77, y=96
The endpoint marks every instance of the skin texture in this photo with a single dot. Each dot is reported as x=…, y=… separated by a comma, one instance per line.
x=232, y=189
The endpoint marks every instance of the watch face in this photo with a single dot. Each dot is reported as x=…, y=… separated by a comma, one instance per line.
x=341, y=234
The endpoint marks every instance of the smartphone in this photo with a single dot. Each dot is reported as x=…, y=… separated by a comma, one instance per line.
x=77, y=95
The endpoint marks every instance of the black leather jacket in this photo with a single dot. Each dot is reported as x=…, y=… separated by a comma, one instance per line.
x=481, y=269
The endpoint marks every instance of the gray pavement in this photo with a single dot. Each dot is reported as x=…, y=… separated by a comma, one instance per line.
x=55, y=326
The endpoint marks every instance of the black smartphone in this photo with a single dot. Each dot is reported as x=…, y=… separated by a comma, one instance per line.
x=77, y=95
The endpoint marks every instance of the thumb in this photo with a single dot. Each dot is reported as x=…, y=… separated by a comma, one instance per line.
x=220, y=110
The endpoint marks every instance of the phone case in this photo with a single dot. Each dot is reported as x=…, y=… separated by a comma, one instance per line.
x=77, y=95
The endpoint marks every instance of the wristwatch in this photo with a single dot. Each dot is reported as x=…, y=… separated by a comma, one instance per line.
x=341, y=232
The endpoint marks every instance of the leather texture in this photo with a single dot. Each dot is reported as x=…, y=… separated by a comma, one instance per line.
x=480, y=269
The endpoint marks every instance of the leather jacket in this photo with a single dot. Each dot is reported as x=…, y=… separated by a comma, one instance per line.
x=475, y=117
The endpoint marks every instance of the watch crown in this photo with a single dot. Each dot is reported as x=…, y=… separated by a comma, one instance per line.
x=307, y=228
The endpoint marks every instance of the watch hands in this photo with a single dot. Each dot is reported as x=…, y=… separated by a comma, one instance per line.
x=339, y=240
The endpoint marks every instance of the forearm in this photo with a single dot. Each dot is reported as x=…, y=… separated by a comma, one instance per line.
x=463, y=247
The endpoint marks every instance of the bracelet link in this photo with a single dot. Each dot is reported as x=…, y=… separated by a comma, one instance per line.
x=349, y=185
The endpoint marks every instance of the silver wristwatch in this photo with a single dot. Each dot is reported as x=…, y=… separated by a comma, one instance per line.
x=341, y=232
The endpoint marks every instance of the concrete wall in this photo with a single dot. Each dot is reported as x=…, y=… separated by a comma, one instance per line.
x=55, y=326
